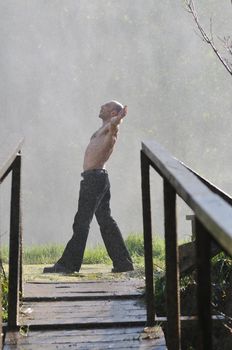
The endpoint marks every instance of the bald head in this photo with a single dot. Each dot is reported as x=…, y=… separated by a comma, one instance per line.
x=110, y=109
x=116, y=105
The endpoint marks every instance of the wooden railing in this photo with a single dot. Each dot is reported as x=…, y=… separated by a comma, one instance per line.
x=10, y=162
x=213, y=222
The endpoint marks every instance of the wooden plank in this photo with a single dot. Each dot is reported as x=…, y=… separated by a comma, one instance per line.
x=118, y=345
x=214, y=213
x=101, y=346
x=83, y=312
x=42, y=291
x=8, y=151
x=119, y=338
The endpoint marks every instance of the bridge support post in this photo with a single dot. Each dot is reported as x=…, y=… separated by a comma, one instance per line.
x=203, y=255
x=147, y=234
x=172, y=269
x=15, y=242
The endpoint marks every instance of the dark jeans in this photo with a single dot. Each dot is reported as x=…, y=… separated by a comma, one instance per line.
x=94, y=198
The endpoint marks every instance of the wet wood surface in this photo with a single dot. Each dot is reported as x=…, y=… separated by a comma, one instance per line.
x=82, y=312
x=80, y=290
x=93, y=339
x=84, y=315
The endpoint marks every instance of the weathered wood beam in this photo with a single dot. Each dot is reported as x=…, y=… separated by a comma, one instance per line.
x=9, y=149
x=213, y=212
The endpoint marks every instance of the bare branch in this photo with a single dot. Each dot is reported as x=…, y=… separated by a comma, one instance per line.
x=228, y=43
x=211, y=29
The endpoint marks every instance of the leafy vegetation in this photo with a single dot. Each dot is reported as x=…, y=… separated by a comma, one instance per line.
x=4, y=294
x=135, y=245
x=48, y=254
x=221, y=277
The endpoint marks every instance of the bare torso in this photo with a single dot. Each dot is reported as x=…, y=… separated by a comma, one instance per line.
x=100, y=147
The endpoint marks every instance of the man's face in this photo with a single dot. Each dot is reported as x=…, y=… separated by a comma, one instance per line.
x=106, y=110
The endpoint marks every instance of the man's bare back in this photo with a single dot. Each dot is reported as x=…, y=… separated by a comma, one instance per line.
x=102, y=142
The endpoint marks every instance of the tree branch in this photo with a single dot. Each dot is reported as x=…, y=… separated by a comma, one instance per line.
x=227, y=42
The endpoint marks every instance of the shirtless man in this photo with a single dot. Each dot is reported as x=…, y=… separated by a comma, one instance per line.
x=94, y=198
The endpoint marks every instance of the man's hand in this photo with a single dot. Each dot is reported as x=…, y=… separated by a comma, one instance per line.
x=115, y=121
x=123, y=112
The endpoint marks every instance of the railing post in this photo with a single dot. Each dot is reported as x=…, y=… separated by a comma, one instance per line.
x=147, y=234
x=14, y=258
x=203, y=247
x=1, y=335
x=192, y=218
x=172, y=269
x=20, y=253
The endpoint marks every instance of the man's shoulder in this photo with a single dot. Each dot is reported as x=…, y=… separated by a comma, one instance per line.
x=101, y=131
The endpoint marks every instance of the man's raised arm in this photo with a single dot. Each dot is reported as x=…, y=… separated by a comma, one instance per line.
x=115, y=121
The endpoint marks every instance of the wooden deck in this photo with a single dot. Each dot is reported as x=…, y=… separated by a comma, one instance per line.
x=84, y=315
x=93, y=339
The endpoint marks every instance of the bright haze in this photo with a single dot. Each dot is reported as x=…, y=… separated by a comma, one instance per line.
x=61, y=60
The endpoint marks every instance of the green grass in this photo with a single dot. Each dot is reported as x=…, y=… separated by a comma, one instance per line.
x=50, y=253
x=134, y=243
x=4, y=296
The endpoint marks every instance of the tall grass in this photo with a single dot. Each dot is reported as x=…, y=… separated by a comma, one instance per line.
x=135, y=245
x=4, y=296
x=48, y=254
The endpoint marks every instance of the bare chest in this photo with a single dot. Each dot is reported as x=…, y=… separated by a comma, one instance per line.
x=103, y=139
x=99, y=133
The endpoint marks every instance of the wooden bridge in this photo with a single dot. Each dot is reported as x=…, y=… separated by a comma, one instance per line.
x=103, y=314
x=111, y=314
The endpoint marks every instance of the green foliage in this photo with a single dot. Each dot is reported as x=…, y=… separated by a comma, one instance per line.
x=134, y=243
x=221, y=274
x=43, y=254
x=4, y=254
x=96, y=255
x=24, y=330
x=159, y=281
x=48, y=254
x=135, y=246
x=4, y=296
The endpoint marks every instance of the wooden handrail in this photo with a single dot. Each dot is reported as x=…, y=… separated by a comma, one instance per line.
x=9, y=148
x=214, y=213
x=213, y=220
x=211, y=186
x=10, y=161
